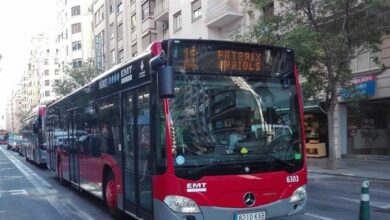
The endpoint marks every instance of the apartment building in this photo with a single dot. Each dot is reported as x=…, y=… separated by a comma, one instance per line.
x=363, y=126
x=47, y=66
x=75, y=33
x=13, y=117
x=30, y=77
x=125, y=28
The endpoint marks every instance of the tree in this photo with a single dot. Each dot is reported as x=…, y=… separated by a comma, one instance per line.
x=22, y=115
x=326, y=36
x=76, y=77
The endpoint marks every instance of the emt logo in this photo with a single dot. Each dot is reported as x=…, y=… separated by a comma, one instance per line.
x=196, y=187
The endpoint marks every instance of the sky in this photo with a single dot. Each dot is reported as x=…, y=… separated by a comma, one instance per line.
x=19, y=21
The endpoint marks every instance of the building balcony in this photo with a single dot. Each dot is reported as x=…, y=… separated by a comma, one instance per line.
x=223, y=12
x=148, y=24
x=161, y=11
x=133, y=36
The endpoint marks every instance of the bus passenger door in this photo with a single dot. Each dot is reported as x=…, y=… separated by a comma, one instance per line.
x=73, y=150
x=137, y=164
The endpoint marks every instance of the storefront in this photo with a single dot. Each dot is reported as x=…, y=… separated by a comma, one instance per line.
x=368, y=125
x=365, y=122
x=316, y=129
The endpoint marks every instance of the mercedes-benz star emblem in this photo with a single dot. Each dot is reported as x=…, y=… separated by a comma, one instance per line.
x=249, y=199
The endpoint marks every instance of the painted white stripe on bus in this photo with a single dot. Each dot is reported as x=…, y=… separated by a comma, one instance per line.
x=318, y=216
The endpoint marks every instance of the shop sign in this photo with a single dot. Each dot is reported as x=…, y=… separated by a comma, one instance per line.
x=99, y=43
x=362, y=86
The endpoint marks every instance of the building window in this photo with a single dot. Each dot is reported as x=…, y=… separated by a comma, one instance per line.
x=47, y=82
x=120, y=30
x=196, y=10
x=119, y=6
x=76, y=28
x=133, y=22
x=45, y=62
x=177, y=21
x=46, y=72
x=76, y=46
x=134, y=50
x=57, y=72
x=99, y=15
x=55, y=60
x=363, y=61
x=75, y=10
x=47, y=93
x=112, y=30
x=113, y=57
x=121, y=56
x=112, y=7
x=149, y=38
x=77, y=63
x=148, y=9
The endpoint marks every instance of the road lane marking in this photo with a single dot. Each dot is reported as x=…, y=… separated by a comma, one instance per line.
x=380, y=205
x=9, y=177
x=317, y=216
x=5, y=169
x=18, y=192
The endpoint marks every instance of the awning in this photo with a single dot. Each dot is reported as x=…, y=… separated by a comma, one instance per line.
x=313, y=106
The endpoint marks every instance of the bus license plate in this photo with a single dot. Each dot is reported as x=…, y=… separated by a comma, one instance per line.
x=250, y=216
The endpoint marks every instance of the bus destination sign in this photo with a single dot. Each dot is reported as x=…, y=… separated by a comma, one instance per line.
x=209, y=58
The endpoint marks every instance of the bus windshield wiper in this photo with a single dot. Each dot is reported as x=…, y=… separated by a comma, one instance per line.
x=213, y=165
x=203, y=168
x=280, y=161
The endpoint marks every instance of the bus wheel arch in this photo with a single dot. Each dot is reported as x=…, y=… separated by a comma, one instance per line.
x=109, y=190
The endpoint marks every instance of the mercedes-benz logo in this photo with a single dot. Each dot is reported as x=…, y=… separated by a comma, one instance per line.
x=249, y=199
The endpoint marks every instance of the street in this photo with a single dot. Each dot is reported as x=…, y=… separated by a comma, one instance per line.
x=30, y=192
x=338, y=197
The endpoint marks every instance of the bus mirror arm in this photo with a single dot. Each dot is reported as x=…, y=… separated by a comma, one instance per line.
x=158, y=61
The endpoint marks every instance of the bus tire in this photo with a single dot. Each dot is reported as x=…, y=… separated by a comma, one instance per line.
x=109, y=194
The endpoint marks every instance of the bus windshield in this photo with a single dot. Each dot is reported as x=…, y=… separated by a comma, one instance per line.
x=232, y=124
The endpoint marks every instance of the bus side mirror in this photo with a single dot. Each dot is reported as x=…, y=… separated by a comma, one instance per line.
x=165, y=82
x=35, y=128
x=164, y=76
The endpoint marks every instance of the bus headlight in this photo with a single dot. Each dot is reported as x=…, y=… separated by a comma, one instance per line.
x=298, y=195
x=181, y=204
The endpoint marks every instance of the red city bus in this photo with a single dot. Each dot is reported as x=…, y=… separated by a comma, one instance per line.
x=191, y=129
x=33, y=132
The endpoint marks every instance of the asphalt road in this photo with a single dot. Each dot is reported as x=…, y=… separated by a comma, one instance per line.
x=338, y=197
x=30, y=192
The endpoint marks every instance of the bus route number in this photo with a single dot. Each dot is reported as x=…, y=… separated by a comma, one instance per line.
x=293, y=179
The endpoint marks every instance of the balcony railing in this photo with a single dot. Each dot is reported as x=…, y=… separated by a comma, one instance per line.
x=223, y=12
x=148, y=24
x=161, y=11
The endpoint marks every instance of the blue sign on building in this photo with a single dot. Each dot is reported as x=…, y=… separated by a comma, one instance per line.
x=360, y=87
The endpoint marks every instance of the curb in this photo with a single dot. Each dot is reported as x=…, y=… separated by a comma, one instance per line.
x=348, y=175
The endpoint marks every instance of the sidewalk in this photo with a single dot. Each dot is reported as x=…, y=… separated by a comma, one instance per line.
x=372, y=169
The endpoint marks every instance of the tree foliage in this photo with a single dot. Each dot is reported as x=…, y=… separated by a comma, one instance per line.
x=76, y=77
